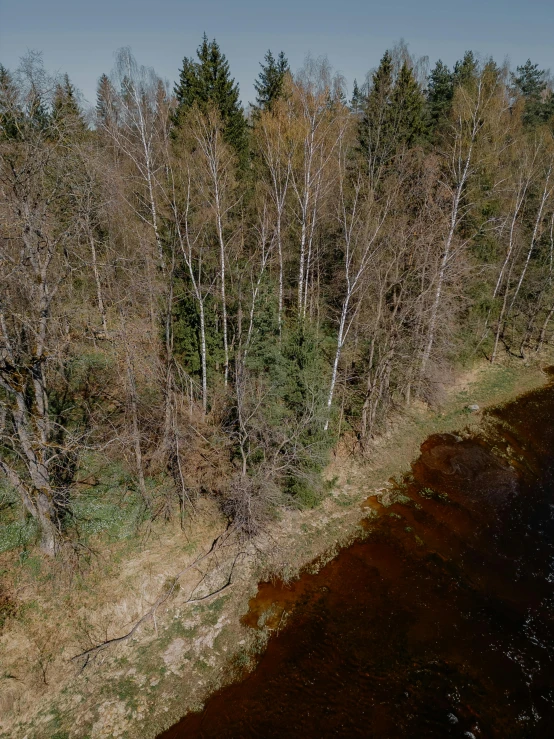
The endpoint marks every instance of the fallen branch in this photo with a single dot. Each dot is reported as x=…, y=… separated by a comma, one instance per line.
x=164, y=596
x=226, y=585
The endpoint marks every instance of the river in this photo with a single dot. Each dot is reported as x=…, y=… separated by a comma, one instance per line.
x=438, y=623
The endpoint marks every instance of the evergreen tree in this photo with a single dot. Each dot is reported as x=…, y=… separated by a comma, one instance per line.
x=376, y=133
x=66, y=114
x=36, y=111
x=465, y=70
x=357, y=100
x=208, y=82
x=270, y=82
x=439, y=94
x=105, y=99
x=407, y=108
x=394, y=114
x=529, y=81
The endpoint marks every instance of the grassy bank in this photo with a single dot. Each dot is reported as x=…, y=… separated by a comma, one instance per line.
x=193, y=641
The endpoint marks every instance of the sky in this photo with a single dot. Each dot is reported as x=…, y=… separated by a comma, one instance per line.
x=80, y=36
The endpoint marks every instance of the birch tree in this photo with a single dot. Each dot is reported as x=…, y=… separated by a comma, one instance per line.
x=277, y=147
x=475, y=106
x=360, y=216
x=318, y=123
x=218, y=188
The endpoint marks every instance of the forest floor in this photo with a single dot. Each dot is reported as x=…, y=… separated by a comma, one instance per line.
x=193, y=641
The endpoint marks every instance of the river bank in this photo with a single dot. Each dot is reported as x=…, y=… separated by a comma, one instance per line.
x=437, y=623
x=195, y=641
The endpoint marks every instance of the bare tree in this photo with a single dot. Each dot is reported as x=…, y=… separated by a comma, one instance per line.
x=35, y=243
x=277, y=150
x=476, y=105
x=319, y=124
x=219, y=190
x=360, y=216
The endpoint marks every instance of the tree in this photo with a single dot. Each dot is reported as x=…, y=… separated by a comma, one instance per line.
x=106, y=104
x=531, y=195
x=38, y=450
x=360, y=217
x=135, y=117
x=276, y=149
x=393, y=117
x=407, y=108
x=207, y=83
x=376, y=135
x=356, y=102
x=318, y=126
x=465, y=70
x=10, y=112
x=440, y=91
x=216, y=184
x=270, y=83
x=529, y=81
x=66, y=113
x=476, y=109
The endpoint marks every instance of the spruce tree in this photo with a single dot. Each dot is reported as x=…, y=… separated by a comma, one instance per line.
x=66, y=114
x=440, y=92
x=356, y=103
x=376, y=132
x=394, y=114
x=270, y=82
x=208, y=82
x=407, y=108
x=105, y=100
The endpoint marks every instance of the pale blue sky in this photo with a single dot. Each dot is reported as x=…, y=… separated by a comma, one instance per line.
x=80, y=37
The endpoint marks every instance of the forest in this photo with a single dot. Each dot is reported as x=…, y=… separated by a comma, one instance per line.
x=199, y=300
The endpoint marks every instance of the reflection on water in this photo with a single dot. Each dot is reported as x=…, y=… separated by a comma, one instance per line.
x=440, y=623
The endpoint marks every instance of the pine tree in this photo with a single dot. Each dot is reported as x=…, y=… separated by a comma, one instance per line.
x=465, y=70
x=530, y=82
x=208, y=82
x=270, y=83
x=440, y=92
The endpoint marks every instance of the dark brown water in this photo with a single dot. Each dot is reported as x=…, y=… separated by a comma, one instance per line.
x=439, y=624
